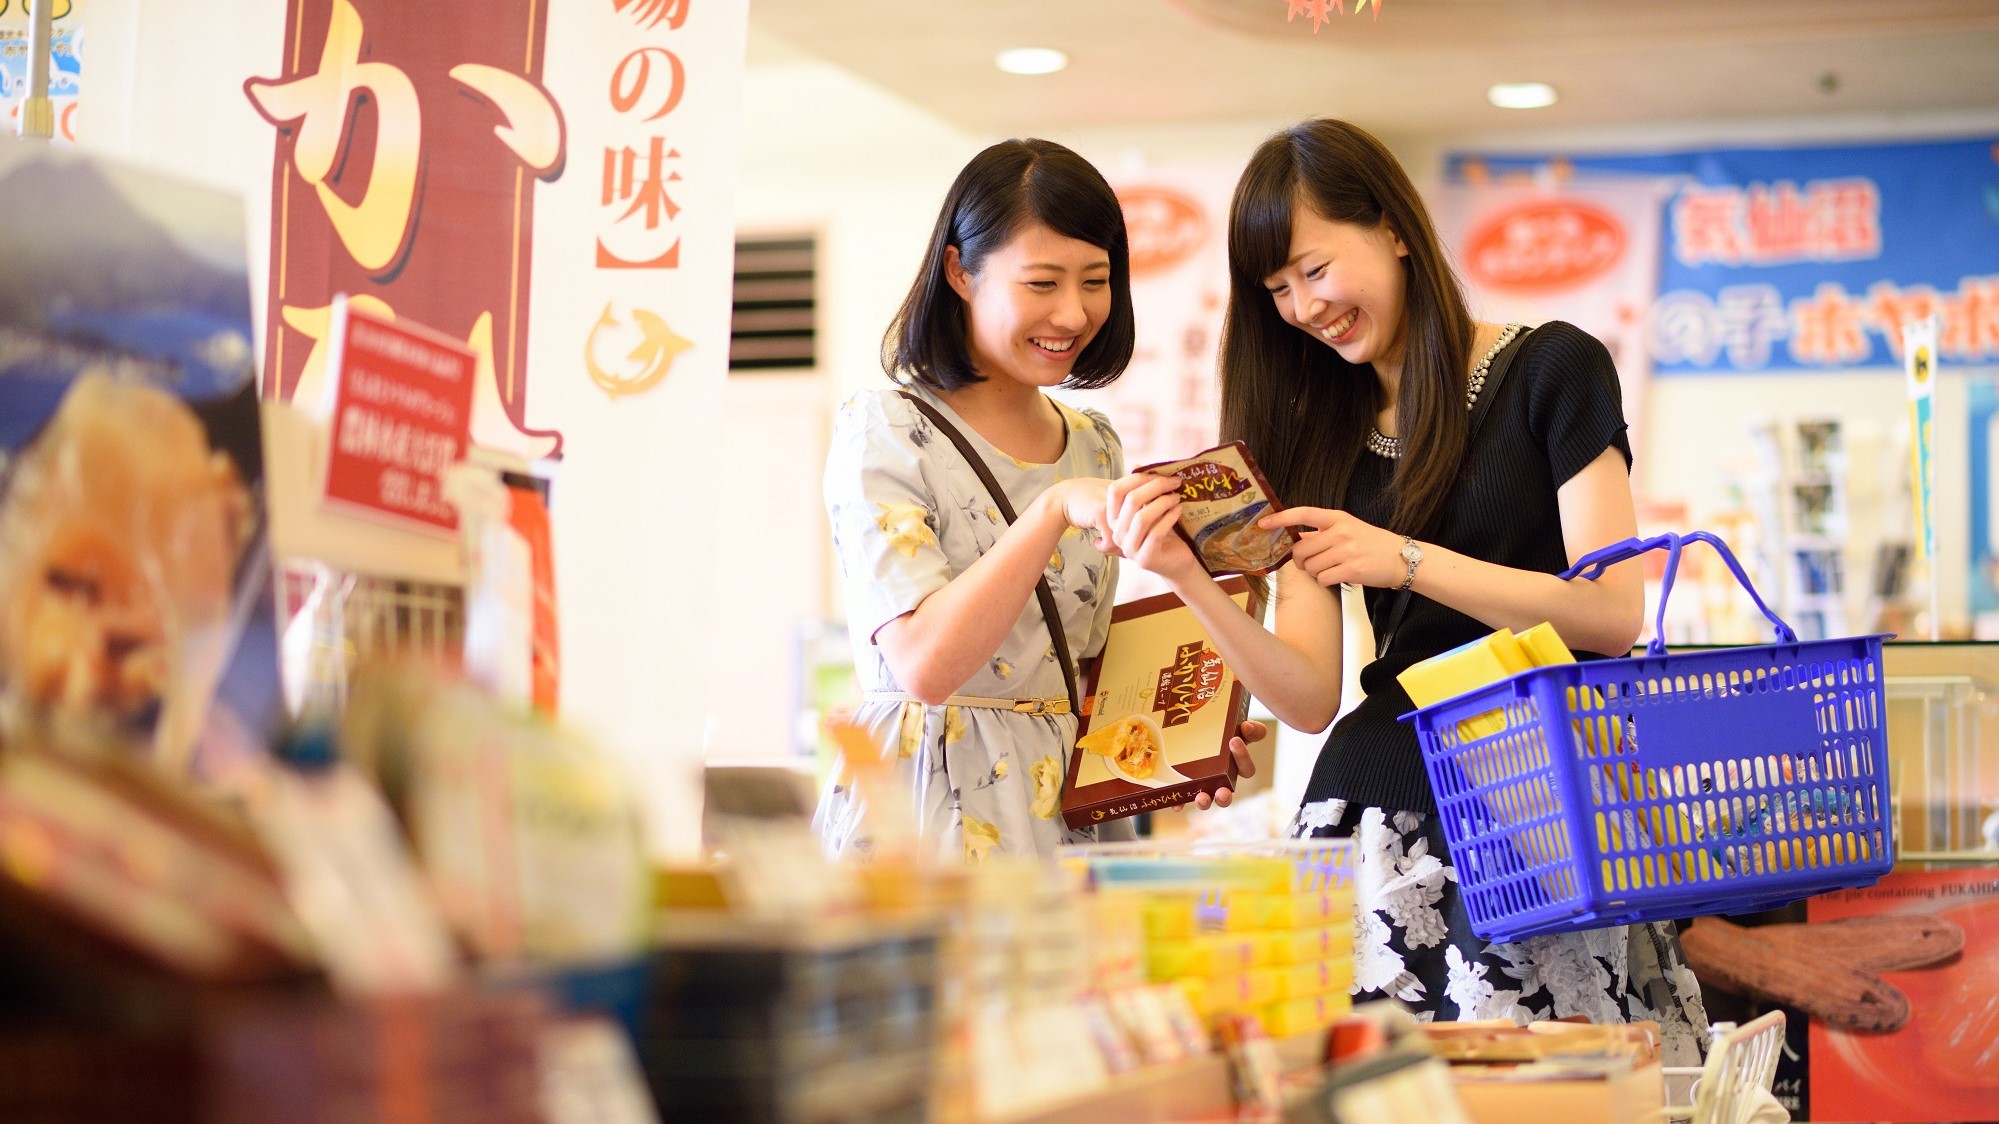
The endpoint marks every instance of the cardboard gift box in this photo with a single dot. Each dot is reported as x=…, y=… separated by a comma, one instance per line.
x=1505, y=1074
x=1611, y=1090
x=1159, y=707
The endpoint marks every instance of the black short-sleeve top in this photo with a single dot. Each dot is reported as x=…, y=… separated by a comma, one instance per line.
x=1557, y=411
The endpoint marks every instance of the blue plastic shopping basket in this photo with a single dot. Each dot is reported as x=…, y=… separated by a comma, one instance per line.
x=1663, y=786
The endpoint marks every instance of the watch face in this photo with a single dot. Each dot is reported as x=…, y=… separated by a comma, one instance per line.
x=1411, y=552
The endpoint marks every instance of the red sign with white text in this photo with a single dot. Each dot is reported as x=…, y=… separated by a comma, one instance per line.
x=1544, y=244
x=402, y=415
x=1164, y=227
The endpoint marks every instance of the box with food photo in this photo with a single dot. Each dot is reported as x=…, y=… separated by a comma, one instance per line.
x=1222, y=496
x=1160, y=705
x=134, y=587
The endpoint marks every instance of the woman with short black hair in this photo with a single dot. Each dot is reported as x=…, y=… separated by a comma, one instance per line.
x=967, y=681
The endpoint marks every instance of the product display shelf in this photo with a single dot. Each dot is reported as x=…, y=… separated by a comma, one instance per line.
x=771, y=1020
x=1943, y=747
x=1199, y=1089
x=1259, y=931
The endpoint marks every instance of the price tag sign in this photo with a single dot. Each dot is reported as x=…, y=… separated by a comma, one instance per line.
x=402, y=415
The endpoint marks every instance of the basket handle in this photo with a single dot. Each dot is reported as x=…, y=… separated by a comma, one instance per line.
x=1592, y=565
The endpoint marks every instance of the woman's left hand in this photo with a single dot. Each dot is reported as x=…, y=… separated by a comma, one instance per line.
x=1340, y=549
x=1248, y=735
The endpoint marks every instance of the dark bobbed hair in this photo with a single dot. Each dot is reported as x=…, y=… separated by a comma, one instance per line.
x=1003, y=189
x=1304, y=410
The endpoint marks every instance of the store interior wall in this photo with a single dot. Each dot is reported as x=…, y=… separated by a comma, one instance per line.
x=827, y=152
x=825, y=149
x=163, y=86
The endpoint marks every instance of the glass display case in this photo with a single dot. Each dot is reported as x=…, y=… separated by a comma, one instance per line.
x=1943, y=748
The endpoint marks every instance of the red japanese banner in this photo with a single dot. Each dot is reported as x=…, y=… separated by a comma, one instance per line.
x=402, y=413
x=1167, y=403
x=553, y=185
x=1176, y=219
x=410, y=137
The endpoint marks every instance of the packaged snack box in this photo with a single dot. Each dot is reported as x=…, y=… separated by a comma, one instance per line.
x=1159, y=708
x=1222, y=495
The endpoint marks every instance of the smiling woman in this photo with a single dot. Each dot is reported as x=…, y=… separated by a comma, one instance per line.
x=965, y=619
x=1051, y=219
x=1350, y=364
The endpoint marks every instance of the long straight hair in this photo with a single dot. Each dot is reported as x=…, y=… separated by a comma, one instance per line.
x=1304, y=410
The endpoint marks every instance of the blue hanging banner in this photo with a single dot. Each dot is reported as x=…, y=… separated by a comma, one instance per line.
x=1808, y=259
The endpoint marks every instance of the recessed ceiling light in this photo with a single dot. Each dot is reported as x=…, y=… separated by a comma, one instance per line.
x=1521, y=95
x=1032, y=60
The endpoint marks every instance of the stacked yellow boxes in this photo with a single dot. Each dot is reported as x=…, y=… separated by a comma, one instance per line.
x=1516, y=782
x=1267, y=934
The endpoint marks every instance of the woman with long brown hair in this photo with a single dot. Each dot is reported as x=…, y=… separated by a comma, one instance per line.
x=1354, y=371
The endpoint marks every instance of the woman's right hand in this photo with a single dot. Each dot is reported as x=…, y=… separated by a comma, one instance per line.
x=1143, y=510
x=1082, y=501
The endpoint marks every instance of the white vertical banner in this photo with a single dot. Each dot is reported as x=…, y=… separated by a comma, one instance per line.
x=1167, y=404
x=1582, y=251
x=633, y=253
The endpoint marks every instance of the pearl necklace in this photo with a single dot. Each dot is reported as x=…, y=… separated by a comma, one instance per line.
x=1391, y=447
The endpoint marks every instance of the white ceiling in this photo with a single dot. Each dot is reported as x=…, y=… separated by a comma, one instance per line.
x=1419, y=69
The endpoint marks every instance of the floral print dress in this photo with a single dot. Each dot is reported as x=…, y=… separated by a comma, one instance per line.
x=908, y=515
x=1413, y=941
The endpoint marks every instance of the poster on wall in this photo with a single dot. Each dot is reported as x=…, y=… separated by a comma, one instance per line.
x=135, y=594
x=552, y=185
x=1808, y=259
x=65, y=65
x=1587, y=253
x=1886, y=989
x=1167, y=404
x=1927, y=945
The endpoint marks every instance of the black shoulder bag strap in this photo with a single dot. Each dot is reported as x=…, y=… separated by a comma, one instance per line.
x=1041, y=591
x=1495, y=376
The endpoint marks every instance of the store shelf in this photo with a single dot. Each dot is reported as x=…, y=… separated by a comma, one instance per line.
x=1199, y=1089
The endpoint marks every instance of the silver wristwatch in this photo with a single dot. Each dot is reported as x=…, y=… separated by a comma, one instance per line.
x=1412, y=554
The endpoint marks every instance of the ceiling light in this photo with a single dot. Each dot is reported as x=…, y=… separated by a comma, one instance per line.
x=1521, y=95
x=1032, y=60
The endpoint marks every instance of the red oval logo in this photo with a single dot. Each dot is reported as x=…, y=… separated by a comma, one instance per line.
x=1163, y=227
x=1545, y=244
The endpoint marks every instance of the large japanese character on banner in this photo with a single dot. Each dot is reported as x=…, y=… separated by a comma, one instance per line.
x=638, y=223
x=403, y=178
x=636, y=90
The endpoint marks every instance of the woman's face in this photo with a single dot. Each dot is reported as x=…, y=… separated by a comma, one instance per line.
x=1343, y=286
x=1034, y=305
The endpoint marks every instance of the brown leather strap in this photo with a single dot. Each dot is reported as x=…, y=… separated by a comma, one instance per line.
x=1046, y=596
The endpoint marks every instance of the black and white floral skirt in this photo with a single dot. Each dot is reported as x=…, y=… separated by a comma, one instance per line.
x=1413, y=941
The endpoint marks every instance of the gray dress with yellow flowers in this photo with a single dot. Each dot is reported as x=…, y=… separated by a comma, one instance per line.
x=908, y=515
